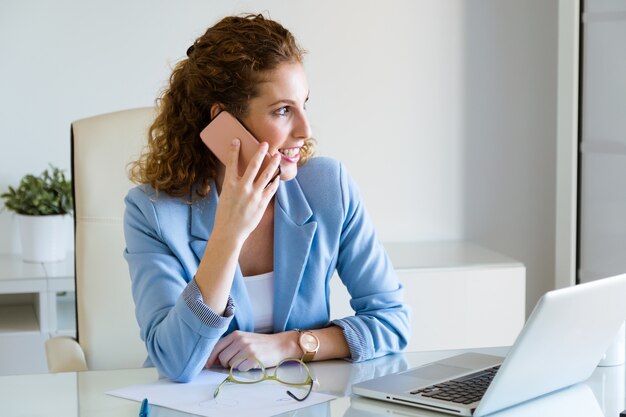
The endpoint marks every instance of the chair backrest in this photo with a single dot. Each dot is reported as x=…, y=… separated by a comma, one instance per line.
x=102, y=147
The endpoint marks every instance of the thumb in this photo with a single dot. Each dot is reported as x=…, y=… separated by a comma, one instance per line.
x=212, y=358
x=217, y=349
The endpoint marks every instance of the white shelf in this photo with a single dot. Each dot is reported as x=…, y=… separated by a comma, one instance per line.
x=37, y=301
x=13, y=267
x=18, y=319
x=446, y=255
x=62, y=269
x=66, y=314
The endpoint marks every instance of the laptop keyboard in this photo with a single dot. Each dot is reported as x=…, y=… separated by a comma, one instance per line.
x=465, y=390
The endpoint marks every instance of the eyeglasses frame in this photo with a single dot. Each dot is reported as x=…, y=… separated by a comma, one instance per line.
x=231, y=378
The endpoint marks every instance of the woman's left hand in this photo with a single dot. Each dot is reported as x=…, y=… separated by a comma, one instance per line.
x=270, y=349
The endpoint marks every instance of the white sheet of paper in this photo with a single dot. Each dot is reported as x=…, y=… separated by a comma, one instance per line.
x=266, y=398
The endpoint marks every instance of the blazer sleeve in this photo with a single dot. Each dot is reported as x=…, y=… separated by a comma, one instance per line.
x=381, y=324
x=178, y=329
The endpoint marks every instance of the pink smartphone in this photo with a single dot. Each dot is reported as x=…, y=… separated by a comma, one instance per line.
x=219, y=134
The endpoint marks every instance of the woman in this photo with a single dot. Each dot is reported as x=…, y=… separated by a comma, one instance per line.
x=224, y=266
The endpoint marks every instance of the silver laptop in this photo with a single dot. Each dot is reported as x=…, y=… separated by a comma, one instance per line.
x=560, y=345
x=575, y=401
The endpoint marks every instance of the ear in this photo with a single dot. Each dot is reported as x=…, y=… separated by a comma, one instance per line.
x=216, y=108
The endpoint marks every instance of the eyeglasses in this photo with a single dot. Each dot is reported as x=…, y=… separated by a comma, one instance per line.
x=249, y=370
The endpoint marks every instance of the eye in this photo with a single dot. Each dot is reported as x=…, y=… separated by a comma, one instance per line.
x=282, y=111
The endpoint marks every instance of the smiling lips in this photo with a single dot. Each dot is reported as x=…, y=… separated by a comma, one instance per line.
x=290, y=154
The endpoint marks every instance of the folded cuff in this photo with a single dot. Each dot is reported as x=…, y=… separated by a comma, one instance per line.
x=356, y=341
x=193, y=299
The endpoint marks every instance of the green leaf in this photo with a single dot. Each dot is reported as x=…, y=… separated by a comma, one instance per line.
x=49, y=193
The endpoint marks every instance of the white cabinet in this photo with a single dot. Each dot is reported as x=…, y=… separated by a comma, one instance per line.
x=461, y=295
x=602, y=232
x=36, y=302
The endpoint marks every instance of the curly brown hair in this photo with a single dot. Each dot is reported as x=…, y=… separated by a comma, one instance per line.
x=224, y=66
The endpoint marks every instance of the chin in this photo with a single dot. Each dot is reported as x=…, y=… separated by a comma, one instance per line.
x=288, y=173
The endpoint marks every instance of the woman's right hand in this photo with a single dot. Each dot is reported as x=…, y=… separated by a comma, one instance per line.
x=241, y=205
x=242, y=200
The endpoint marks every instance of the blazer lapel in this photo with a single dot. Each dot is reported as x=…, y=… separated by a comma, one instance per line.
x=293, y=238
x=202, y=220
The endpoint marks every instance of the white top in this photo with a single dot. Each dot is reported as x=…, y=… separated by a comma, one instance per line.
x=262, y=286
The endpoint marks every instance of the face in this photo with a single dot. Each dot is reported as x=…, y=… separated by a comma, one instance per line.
x=277, y=115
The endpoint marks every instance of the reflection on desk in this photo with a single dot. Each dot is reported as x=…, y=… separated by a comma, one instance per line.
x=574, y=401
x=608, y=385
x=603, y=394
x=337, y=377
x=83, y=393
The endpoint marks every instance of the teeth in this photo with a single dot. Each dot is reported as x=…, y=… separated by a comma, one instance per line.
x=291, y=152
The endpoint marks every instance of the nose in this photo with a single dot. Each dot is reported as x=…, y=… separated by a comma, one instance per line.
x=302, y=128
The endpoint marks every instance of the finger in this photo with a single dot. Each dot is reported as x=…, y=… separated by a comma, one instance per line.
x=237, y=349
x=221, y=344
x=232, y=169
x=255, y=163
x=231, y=354
x=272, y=186
x=270, y=191
x=212, y=357
x=248, y=364
x=269, y=174
x=226, y=359
x=211, y=361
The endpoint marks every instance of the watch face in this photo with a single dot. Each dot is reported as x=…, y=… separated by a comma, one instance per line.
x=309, y=342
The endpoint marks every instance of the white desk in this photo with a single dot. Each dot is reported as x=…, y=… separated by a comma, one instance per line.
x=82, y=394
x=31, y=310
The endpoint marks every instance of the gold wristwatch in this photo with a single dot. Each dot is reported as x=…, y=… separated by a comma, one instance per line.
x=309, y=343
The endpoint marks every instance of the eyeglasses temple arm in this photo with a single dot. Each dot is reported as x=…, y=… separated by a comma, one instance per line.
x=217, y=390
x=307, y=394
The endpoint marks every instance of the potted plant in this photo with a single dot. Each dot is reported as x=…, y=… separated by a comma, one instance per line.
x=42, y=204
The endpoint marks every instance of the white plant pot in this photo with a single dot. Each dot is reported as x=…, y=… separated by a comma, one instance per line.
x=43, y=238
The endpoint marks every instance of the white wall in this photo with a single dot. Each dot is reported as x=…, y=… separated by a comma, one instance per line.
x=443, y=110
x=510, y=132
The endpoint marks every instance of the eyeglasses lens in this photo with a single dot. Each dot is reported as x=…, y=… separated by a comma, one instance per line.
x=292, y=372
x=248, y=370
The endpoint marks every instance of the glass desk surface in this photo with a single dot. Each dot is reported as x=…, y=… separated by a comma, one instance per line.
x=83, y=393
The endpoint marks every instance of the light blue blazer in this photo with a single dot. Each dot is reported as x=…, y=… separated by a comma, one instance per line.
x=320, y=225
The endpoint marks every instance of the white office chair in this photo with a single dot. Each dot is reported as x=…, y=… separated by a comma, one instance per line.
x=107, y=331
